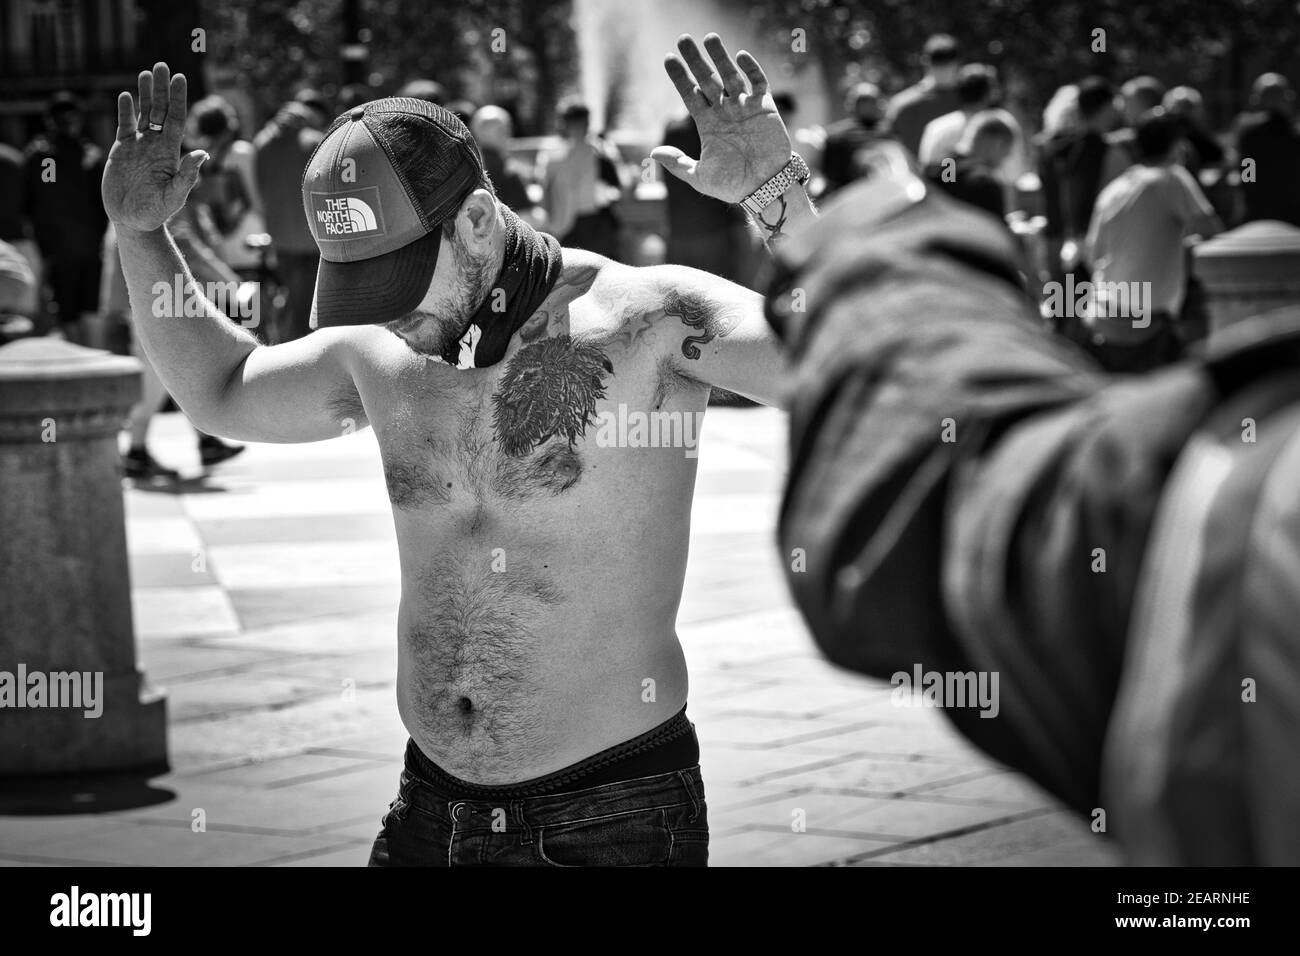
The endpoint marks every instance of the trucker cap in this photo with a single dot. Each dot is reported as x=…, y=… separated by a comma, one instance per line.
x=376, y=192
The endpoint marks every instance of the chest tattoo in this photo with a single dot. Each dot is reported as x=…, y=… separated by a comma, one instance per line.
x=549, y=389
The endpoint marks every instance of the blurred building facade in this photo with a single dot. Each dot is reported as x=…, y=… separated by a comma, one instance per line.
x=93, y=48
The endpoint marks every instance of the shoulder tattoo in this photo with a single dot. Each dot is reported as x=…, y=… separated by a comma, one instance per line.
x=697, y=312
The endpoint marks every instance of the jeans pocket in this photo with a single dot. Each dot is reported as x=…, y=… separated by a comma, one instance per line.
x=396, y=812
x=401, y=804
x=637, y=838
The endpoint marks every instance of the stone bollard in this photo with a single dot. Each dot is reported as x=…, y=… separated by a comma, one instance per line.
x=1249, y=270
x=71, y=698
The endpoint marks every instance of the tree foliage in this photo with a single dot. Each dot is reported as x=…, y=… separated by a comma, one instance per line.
x=518, y=53
x=1216, y=45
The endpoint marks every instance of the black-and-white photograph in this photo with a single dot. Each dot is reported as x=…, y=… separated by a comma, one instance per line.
x=651, y=433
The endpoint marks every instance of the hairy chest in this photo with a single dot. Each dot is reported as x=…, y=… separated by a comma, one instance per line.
x=535, y=427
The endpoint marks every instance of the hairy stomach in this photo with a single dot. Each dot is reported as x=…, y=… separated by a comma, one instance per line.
x=511, y=667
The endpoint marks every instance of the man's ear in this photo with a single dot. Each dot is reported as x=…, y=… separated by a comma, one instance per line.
x=479, y=219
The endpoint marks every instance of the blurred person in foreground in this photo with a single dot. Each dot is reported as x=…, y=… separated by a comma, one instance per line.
x=581, y=184
x=1136, y=255
x=860, y=128
x=284, y=145
x=1267, y=139
x=975, y=496
x=936, y=94
x=495, y=368
x=492, y=129
x=62, y=171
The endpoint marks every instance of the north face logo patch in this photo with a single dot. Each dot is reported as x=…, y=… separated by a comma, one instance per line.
x=342, y=216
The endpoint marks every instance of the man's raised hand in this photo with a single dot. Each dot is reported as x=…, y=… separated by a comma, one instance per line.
x=743, y=142
x=145, y=179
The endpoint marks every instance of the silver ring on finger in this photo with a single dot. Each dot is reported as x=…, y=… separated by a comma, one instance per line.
x=155, y=127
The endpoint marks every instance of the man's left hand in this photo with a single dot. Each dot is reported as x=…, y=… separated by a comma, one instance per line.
x=743, y=141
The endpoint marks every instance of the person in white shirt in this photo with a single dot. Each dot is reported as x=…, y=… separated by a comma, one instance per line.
x=581, y=184
x=1135, y=247
x=977, y=90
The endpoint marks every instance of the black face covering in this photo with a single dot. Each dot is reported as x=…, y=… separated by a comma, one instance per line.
x=529, y=270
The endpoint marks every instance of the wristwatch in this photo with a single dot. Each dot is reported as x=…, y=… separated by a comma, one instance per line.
x=795, y=171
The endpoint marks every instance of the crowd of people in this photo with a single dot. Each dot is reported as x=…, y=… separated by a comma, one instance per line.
x=1122, y=182
x=243, y=226
x=1110, y=194
x=1112, y=190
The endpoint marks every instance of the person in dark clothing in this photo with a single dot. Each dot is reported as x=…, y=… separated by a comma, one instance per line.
x=1202, y=155
x=974, y=496
x=1138, y=97
x=283, y=147
x=1203, y=150
x=1267, y=138
x=845, y=138
x=912, y=109
x=971, y=173
x=62, y=176
x=703, y=232
x=1079, y=157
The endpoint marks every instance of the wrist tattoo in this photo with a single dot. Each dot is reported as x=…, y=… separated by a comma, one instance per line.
x=773, y=230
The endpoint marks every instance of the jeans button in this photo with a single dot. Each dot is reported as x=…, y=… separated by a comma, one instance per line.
x=459, y=811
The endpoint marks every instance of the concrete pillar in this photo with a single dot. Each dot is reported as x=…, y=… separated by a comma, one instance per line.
x=1249, y=270
x=65, y=592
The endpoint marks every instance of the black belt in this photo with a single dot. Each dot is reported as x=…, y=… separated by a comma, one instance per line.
x=668, y=747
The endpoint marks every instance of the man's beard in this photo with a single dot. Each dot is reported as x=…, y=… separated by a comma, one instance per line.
x=435, y=332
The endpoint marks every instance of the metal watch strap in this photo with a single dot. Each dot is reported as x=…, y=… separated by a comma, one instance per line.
x=795, y=171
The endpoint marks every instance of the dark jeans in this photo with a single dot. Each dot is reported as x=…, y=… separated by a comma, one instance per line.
x=648, y=821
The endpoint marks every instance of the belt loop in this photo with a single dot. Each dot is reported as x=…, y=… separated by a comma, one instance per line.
x=525, y=831
x=689, y=785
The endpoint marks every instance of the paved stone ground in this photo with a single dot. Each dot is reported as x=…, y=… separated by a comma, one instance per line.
x=265, y=604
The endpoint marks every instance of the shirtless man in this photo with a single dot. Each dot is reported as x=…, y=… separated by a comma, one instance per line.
x=541, y=567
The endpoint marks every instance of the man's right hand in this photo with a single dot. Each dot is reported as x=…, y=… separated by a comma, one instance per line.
x=146, y=180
